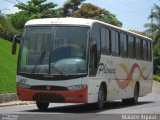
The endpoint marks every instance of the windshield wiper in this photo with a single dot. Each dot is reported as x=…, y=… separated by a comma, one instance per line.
x=40, y=59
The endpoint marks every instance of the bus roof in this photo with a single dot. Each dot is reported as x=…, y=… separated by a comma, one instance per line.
x=75, y=21
x=59, y=21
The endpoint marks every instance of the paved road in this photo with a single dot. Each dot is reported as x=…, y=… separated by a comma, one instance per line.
x=149, y=104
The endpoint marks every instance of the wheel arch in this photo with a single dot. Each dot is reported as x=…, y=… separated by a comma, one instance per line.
x=104, y=84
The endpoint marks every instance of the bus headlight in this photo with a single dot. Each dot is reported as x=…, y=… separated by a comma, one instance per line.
x=23, y=85
x=76, y=87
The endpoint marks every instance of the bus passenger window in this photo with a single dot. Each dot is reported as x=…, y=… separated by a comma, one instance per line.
x=103, y=41
x=123, y=45
x=131, y=47
x=145, y=51
x=113, y=38
x=115, y=43
x=108, y=42
x=149, y=51
x=138, y=49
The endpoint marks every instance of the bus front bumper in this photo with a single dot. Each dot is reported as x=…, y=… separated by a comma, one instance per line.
x=69, y=96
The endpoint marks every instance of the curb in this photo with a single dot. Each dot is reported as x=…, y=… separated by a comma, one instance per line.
x=157, y=82
x=8, y=97
x=11, y=99
x=16, y=103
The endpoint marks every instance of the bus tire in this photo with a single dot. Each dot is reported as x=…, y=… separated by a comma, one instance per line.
x=101, y=97
x=42, y=106
x=134, y=100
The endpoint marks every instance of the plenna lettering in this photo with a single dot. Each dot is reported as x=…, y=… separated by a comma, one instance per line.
x=106, y=70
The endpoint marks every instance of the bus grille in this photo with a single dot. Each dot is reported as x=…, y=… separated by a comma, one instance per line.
x=54, y=88
x=47, y=97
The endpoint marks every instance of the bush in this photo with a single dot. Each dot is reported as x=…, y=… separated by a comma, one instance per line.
x=156, y=78
x=6, y=29
x=19, y=19
x=157, y=58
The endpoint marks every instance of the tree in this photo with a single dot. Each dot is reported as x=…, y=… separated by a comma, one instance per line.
x=38, y=7
x=88, y=10
x=19, y=19
x=32, y=10
x=71, y=6
x=6, y=29
x=157, y=58
x=154, y=28
x=141, y=33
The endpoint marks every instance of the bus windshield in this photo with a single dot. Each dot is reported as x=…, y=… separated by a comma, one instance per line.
x=53, y=50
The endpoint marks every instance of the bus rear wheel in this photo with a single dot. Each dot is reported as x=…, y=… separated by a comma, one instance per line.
x=42, y=106
x=134, y=100
x=101, y=98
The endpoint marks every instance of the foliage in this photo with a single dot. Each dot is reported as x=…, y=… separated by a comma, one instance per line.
x=156, y=78
x=154, y=28
x=7, y=31
x=38, y=7
x=157, y=58
x=88, y=10
x=75, y=8
x=19, y=19
x=32, y=10
x=8, y=68
x=71, y=6
x=141, y=33
x=110, y=18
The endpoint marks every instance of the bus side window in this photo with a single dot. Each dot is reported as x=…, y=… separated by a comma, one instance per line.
x=108, y=42
x=115, y=43
x=138, y=49
x=103, y=41
x=149, y=51
x=131, y=47
x=95, y=49
x=123, y=45
x=145, y=51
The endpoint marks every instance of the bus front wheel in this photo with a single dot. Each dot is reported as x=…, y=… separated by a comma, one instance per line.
x=42, y=106
x=101, y=98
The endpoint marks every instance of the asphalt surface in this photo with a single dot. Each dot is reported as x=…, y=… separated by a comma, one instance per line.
x=148, y=108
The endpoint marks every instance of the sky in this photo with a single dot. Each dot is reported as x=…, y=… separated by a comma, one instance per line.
x=132, y=13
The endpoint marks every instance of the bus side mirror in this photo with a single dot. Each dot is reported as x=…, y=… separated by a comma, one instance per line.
x=16, y=38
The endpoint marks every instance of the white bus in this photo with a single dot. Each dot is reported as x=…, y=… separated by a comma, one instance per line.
x=76, y=60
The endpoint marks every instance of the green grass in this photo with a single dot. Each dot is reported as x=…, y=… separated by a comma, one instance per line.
x=156, y=78
x=8, y=63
